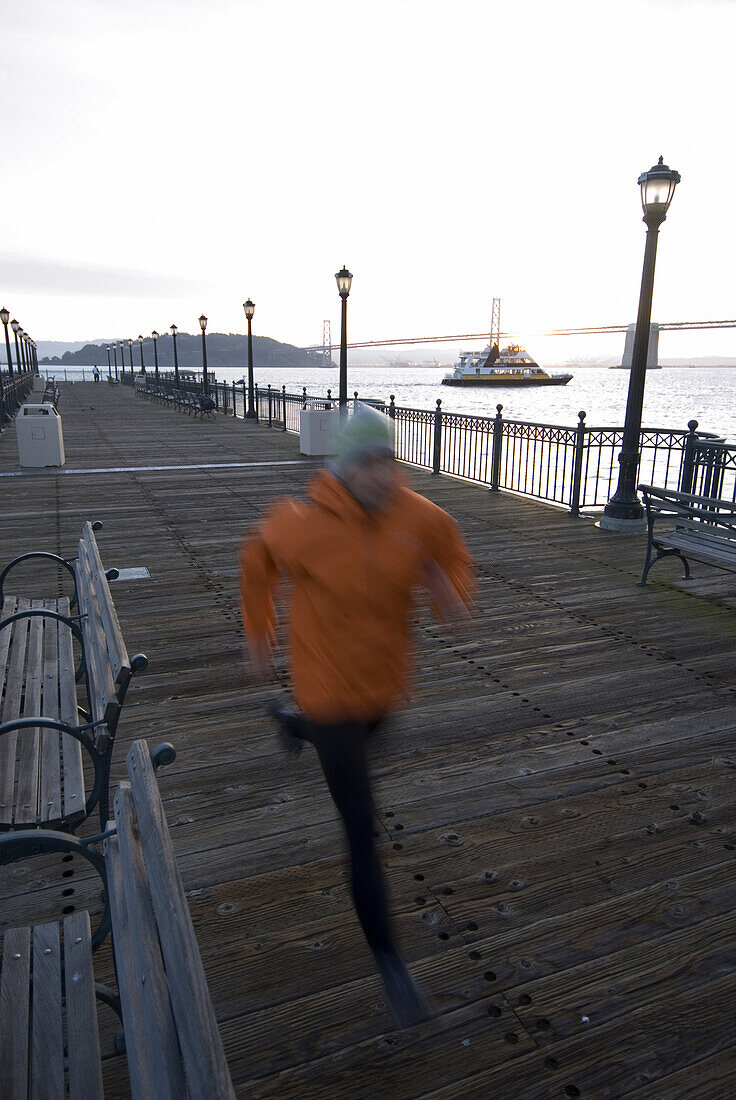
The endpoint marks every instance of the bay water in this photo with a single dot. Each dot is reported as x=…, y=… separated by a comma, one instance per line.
x=672, y=397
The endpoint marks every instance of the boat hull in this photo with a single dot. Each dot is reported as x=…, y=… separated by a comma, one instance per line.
x=515, y=383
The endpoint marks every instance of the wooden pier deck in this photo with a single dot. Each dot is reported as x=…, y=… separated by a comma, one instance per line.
x=557, y=806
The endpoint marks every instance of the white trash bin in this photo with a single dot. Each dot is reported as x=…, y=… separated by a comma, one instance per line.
x=40, y=439
x=318, y=429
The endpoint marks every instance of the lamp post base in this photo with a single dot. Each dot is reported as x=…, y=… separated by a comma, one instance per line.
x=623, y=526
x=251, y=415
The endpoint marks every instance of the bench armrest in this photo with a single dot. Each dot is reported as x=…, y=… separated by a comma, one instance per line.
x=67, y=563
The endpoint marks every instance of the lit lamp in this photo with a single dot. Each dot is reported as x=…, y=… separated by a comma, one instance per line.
x=203, y=326
x=344, y=281
x=154, y=337
x=5, y=317
x=176, y=359
x=249, y=309
x=624, y=511
x=140, y=345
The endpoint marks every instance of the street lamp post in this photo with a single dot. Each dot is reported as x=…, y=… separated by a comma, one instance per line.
x=203, y=326
x=130, y=353
x=16, y=329
x=249, y=309
x=5, y=317
x=22, y=364
x=344, y=280
x=624, y=511
x=140, y=345
x=109, y=364
x=154, y=337
x=115, y=359
x=176, y=359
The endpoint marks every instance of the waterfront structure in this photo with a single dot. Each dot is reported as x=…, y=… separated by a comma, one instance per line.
x=652, y=348
x=203, y=326
x=249, y=309
x=344, y=282
x=624, y=511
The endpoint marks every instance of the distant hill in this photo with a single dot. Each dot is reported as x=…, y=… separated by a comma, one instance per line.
x=223, y=350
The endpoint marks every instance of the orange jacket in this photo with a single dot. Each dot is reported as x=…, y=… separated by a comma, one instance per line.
x=352, y=575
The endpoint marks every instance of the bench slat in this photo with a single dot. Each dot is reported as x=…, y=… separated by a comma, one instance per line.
x=11, y=709
x=204, y=1057
x=117, y=651
x=7, y=751
x=103, y=696
x=14, y=1013
x=71, y=750
x=83, y=1040
x=150, y=1035
x=47, y=1041
x=702, y=542
x=50, y=792
x=29, y=741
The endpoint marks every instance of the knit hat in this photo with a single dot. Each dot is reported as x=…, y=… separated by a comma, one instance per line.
x=366, y=433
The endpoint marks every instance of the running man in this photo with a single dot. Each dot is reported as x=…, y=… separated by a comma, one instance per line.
x=354, y=555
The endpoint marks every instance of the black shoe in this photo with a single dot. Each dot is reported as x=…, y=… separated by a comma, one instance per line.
x=289, y=726
x=404, y=999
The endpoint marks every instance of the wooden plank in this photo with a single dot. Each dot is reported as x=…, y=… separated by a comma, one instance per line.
x=117, y=651
x=47, y=1043
x=29, y=740
x=83, y=1041
x=12, y=704
x=153, y=1053
x=199, y=1038
x=15, y=981
x=103, y=697
x=50, y=778
x=72, y=753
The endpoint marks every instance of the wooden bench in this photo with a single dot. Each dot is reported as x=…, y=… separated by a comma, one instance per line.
x=49, y=1039
x=699, y=527
x=48, y=648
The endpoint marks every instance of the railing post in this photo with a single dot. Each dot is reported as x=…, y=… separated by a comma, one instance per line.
x=304, y=397
x=235, y=411
x=270, y=407
x=496, y=451
x=437, y=445
x=283, y=399
x=392, y=407
x=577, y=469
x=329, y=398
x=355, y=402
x=256, y=398
x=687, y=477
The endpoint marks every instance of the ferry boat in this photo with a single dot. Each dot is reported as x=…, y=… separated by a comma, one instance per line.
x=513, y=366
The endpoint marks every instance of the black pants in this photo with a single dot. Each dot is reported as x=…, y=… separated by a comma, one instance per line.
x=342, y=754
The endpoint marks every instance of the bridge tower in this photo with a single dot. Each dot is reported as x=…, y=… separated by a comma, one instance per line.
x=496, y=323
x=326, y=344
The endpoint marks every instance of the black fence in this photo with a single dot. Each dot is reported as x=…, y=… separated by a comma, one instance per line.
x=573, y=467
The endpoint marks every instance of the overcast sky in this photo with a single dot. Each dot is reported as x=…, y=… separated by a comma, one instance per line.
x=164, y=158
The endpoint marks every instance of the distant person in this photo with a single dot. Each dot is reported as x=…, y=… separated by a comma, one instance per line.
x=354, y=554
x=96, y=373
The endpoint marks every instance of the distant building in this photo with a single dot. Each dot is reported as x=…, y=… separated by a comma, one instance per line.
x=652, y=350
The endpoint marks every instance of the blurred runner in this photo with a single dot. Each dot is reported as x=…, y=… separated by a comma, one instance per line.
x=354, y=555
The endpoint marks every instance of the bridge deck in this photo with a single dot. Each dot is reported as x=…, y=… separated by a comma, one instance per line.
x=557, y=806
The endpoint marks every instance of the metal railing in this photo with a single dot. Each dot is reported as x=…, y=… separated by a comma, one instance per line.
x=572, y=467
x=15, y=389
x=709, y=469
